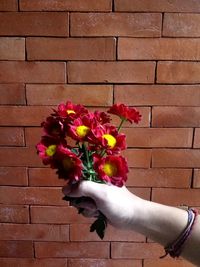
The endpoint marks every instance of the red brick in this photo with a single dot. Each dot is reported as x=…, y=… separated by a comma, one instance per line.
x=197, y=138
x=155, y=6
x=34, y=24
x=33, y=262
x=72, y=250
x=32, y=72
x=167, y=263
x=91, y=95
x=16, y=249
x=57, y=215
x=44, y=177
x=39, y=232
x=158, y=95
x=71, y=49
x=138, y=158
x=181, y=25
x=158, y=49
x=103, y=263
x=80, y=232
x=65, y=5
x=13, y=176
x=178, y=72
x=31, y=195
x=8, y=5
x=23, y=115
x=176, y=197
x=158, y=137
x=160, y=177
x=12, y=48
x=179, y=158
x=176, y=117
x=11, y=136
x=120, y=24
x=111, y=72
x=196, y=181
x=14, y=214
x=120, y=250
x=19, y=157
x=12, y=94
x=144, y=193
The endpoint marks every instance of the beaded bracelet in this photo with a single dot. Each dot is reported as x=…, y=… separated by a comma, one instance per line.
x=176, y=247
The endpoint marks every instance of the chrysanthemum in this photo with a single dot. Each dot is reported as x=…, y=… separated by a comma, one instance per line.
x=108, y=138
x=125, y=113
x=70, y=166
x=81, y=127
x=111, y=169
x=70, y=110
x=47, y=149
x=53, y=127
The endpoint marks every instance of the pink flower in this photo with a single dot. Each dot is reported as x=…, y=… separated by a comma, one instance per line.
x=111, y=169
x=125, y=113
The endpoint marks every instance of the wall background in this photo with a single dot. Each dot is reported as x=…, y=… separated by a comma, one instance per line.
x=139, y=52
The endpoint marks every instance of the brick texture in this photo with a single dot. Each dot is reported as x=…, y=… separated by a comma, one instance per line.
x=181, y=25
x=33, y=24
x=142, y=53
x=155, y=6
x=71, y=49
x=8, y=5
x=65, y=5
x=111, y=72
x=120, y=24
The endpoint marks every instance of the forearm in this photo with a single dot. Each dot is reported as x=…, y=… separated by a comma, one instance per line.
x=164, y=224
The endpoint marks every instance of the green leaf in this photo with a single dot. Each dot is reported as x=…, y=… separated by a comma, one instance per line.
x=99, y=226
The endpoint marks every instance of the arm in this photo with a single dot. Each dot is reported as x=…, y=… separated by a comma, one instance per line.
x=161, y=223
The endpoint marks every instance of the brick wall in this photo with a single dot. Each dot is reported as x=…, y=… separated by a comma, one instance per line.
x=139, y=52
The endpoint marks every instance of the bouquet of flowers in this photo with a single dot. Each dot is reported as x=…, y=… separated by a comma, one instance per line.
x=94, y=153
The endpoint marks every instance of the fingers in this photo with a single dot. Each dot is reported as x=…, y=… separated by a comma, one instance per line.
x=85, y=188
x=88, y=207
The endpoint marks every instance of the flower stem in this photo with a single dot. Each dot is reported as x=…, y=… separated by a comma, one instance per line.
x=121, y=123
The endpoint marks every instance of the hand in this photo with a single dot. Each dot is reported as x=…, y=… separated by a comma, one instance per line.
x=117, y=203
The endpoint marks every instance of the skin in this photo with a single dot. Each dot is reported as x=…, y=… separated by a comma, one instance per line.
x=161, y=223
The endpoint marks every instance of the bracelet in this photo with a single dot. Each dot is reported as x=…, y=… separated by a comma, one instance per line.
x=176, y=247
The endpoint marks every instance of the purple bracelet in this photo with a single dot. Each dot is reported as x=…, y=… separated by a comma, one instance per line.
x=176, y=247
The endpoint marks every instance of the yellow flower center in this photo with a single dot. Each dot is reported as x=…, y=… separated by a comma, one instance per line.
x=82, y=131
x=70, y=111
x=110, y=139
x=110, y=169
x=51, y=150
x=68, y=163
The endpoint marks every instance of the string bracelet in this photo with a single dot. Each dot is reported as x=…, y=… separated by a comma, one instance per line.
x=176, y=247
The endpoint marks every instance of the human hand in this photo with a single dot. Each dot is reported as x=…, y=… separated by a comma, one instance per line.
x=118, y=204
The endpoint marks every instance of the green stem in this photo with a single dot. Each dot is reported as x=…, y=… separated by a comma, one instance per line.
x=86, y=154
x=121, y=123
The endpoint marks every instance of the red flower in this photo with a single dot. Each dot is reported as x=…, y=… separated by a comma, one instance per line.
x=53, y=127
x=70, y=111
x=101, y=117
x=111, y=169
x=47, y=149
x=81, y=127
x=70, y=166
x=107, y=137
x=125, y=113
